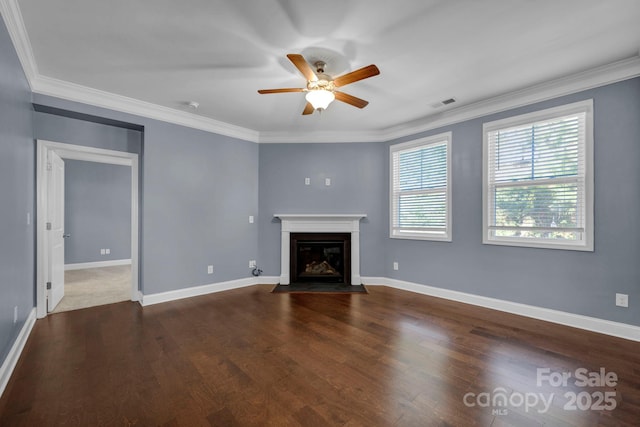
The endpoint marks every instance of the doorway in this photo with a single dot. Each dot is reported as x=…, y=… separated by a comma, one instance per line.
x=94, y=286
x=49, y=233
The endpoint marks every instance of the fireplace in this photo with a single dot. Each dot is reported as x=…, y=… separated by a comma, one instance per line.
x=321, y=223
x=320, y=257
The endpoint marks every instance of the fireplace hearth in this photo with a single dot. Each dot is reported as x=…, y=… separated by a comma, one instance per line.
x=320, y=257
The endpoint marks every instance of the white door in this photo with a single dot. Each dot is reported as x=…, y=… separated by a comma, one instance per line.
x=55, y=231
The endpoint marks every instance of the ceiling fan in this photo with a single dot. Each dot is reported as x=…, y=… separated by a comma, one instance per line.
x=321, y=87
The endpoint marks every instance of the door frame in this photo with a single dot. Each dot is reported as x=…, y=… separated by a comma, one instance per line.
x=90, y=154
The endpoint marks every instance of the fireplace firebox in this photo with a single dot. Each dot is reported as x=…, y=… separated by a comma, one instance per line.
x=320, y=258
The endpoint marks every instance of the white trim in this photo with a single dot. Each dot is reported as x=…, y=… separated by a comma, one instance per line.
x=593, y=324
x=588, y=79
x=73, y=92
x=18, y=32
x=517, y=120
x=90, y=154
x=267, y=280
x=319, y=223
x=447, y=138
x=601, y=76
x=77, y=152
x=194, y=291
x=320, y=217
x=97, y=264
x=11, y=360
x=322, y=137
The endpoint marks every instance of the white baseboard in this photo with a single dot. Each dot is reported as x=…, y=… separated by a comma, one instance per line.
x=97, y=264
x=616, y=329
x=11, y=360
x=158, y=298
x=267, y=280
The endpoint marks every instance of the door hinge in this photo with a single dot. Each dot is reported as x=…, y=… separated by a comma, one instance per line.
x=48, y=285
x=49, y=167
x=48, y=226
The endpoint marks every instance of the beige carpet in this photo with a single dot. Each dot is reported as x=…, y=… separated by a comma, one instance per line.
x=95, y=286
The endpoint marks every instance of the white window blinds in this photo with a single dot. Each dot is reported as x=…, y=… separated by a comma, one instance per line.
x=536, y=179
x=420, y=200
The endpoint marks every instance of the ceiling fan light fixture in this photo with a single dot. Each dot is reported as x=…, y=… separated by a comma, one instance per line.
x=320, y=98
x=320, y=90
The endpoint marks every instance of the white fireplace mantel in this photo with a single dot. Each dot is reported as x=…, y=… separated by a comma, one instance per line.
x=320, y=223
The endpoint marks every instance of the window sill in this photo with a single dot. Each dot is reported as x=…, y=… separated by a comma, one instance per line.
x=413, y=236
x=582, y=247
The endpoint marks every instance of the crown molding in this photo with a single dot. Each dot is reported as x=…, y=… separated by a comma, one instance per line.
x=98, y=98
x=338, y=137
x=589, y=79
x=18, y=32
x=596, y=77
x=600, y=76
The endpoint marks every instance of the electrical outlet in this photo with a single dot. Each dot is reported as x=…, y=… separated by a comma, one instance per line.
x=395, y=265
x=251, y=219
x=107, y=251
x=252, y=263
x=327, y=181
x=622, y=300
x=103, y=251
x=307, y=181
x=210, y=269
x=15, y=314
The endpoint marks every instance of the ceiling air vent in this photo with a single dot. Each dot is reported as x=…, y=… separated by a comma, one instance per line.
x=443, y=103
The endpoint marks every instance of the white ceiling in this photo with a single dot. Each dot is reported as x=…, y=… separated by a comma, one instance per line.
x=220, y=52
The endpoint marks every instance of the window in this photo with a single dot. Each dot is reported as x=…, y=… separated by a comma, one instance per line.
x=420, y=183
x=538, y=180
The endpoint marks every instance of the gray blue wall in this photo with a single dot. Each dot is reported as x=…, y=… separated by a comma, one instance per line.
x=185, y=226
x=57, y=128
x=97, y=211
x=197, y=192
x=575, y=282
x=357, y=186
x=17, y=189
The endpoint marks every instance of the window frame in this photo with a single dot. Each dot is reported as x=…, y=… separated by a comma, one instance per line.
x=445, y=138
x=587, y=243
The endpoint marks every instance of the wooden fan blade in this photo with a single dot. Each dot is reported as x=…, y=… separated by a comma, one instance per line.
x=302, y=65
x=350, y=99
x=354, y=76
x=284, y=90
x=308, y=109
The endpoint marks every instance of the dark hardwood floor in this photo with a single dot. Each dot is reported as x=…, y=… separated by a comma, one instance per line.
x=248, y=357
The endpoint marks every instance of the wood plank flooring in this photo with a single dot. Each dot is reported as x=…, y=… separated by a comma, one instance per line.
x=248, y=357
